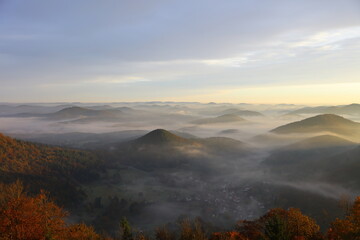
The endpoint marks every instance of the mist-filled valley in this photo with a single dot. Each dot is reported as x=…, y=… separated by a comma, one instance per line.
x=157, y=162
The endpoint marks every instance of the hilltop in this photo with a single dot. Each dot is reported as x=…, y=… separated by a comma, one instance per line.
x=351, y=109
x=161, y=137
x=321, y=123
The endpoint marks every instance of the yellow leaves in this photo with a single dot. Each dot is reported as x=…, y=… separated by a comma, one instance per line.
x=301, y=225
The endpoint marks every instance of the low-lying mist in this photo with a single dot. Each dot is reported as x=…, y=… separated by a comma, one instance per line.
x=222, y=169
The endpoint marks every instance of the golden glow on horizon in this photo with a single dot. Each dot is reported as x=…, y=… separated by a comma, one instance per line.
x=307, y=94
x=311, y=94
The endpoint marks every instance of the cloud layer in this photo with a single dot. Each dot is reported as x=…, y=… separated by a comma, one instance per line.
x=149, y=50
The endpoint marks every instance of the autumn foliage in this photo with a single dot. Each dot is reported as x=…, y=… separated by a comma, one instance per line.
x=24, y=217
x=35, y=218
x=36, y=159
x=58, y=170
x=281, y=224
x=348, y=228
x=232, y=235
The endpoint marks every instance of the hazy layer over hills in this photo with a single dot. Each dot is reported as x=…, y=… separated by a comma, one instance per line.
x=82, y=140
x=241, y=113
x=220, y=119
x=321, y=123
x=318, y=159
x=191, y=169
x=78, y=112
x=30, y=109
x=161, y=137
x=323, y=141
x=352, y=109
x=161, y=148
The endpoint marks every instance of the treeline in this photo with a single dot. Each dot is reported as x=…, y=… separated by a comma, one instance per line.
x=55, y=169
x=24, y=217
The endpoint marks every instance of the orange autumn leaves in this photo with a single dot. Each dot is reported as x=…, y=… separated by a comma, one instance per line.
x=31, y=218
x=348, y=228
x=35, y=218
x=280, y=224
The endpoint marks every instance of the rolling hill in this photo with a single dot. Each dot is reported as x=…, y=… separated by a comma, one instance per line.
x=322, y=141
x=224, y=145
x=314, y=159
x=342, y=168
x=161, y=137
x=226, y=118
x=161, y=149
x=28, y=110
x=80, y=112
x=55, y=169
x=352, y=109
x=82, y=140
x=158, y=149
x=241, y=113
x=321, y=123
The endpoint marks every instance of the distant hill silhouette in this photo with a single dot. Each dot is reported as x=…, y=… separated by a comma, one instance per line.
x=229, y=131
x=160, y=137
x=77, y=112
x=226, y=118
x=99, y=107
x=321, y=123
x=184, y=134
x=163, y=137
x=352, y=109
x=224, y=144
x=28, y=110
x=162, y=149
x=82, y=140
x=323, y=141
x=125, y=109
x=241, y=113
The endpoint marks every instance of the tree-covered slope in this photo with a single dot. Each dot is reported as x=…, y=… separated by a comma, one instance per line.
x=55, y=169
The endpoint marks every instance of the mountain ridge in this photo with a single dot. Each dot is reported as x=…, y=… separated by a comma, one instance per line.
x=77, y=112
x=226, y=118
x=351, y=109
x=320, y=123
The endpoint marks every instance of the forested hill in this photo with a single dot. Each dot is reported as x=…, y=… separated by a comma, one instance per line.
x=58, y=170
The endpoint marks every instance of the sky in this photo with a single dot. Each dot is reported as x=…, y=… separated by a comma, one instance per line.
x=254, y=51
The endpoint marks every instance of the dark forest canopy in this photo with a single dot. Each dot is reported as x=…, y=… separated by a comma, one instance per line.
x=24, y=217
